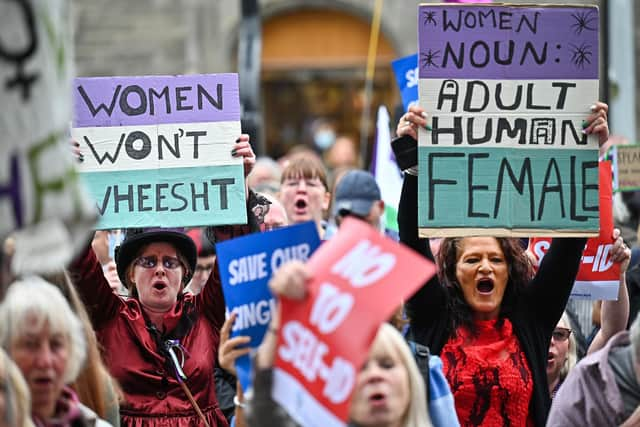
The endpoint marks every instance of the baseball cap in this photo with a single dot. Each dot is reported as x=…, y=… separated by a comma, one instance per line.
x=355, y=194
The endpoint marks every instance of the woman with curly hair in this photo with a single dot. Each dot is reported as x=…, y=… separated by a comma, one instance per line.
x=486, y=314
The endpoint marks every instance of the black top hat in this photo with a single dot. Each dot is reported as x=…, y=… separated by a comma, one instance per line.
x=139, y=237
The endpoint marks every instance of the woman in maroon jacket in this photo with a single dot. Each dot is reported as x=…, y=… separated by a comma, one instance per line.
x=160, y=344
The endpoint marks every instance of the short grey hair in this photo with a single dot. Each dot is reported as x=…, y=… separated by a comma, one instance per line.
x=36, y=298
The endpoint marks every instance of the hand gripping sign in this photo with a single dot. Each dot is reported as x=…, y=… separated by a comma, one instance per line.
x=359, y=278
x=598, y=276
x=246, y=265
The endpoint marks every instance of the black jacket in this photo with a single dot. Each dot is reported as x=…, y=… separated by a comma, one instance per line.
x=536, y=312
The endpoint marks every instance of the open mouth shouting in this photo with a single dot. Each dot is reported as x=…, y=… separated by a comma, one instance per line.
x=159, y=286
x=485, y=286
x=300, y=206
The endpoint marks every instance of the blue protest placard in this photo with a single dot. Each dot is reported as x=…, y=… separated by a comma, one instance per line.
x=406, y=71
x=246, y=265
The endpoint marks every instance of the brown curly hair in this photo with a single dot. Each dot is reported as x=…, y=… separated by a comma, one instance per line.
x=520, y=273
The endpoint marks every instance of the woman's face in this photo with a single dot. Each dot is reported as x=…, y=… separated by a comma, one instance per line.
x=157, y=274
x=382, y=393
x=483, y=273
x=304, y=199
x=42, y=357
x=558, y=350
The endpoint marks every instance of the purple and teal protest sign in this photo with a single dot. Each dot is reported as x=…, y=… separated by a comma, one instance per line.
x=246, y=265
x=507, y=89
x=157, y=149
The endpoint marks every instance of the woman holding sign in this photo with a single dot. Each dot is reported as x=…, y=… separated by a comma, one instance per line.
x=486, y=314
x=161, y=343
x=389, y=390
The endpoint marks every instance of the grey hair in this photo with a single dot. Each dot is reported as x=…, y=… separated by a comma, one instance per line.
x=38, y=299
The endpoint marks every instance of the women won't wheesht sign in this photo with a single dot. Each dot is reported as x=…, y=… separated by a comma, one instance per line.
x=157, y=149
x=507, y=89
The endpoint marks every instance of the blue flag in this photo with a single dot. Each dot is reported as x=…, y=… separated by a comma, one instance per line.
x=406, y=71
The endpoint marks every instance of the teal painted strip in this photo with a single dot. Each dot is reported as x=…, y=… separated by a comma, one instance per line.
x=209, y=195
x=512, y=188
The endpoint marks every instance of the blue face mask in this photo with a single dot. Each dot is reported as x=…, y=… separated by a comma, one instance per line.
x=324, y=139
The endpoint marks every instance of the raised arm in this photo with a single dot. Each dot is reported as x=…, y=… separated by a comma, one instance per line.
x=88, y=277
x=211, y=297
x=614, y=314
x=551, y=287
x=429, y=302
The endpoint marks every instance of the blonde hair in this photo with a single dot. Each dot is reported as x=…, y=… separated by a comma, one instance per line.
x=572, y=353
x=17, y=408
x=34, y=298
x=417, y=414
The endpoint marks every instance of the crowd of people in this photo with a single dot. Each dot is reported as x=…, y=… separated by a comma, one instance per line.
x=134, y=332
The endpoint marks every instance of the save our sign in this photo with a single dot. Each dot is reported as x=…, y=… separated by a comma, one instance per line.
x=358, y=278
x=157, y=149
x=507, y=89
x=246, y=265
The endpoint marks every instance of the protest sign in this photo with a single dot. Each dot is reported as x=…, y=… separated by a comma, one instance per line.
x=41, y=200
x=246, y=265
x=359, y=278
x=598, y=277
x=406, y=72
x=626, y=167
x=507, y=89
x=157, y=149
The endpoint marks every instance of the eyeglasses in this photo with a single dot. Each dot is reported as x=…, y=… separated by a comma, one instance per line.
x=560, y=334
x=204, y=267
x=169, y=262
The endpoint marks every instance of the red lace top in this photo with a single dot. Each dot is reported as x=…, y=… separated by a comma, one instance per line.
x=489, y=376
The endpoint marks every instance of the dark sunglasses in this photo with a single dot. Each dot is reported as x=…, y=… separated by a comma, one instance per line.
x=169, y=262
x=561, y=334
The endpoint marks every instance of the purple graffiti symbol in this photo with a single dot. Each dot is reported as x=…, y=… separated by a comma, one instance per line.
x=12, y=191
x=429, y=57
x=429, y=18
x=584, y=21
x=20, y=55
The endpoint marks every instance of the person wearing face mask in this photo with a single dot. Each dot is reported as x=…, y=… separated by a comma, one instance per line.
x=388, y=392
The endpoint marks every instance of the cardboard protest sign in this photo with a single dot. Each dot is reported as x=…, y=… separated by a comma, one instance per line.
x=246, y=265
x=406, y=72
x=41, y=200
x=507, y=89
x=359, y=278
x=626, y=167
x=157, y=149
x=598, y=277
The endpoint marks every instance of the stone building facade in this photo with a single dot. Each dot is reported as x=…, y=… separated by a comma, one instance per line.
x=140, y=37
